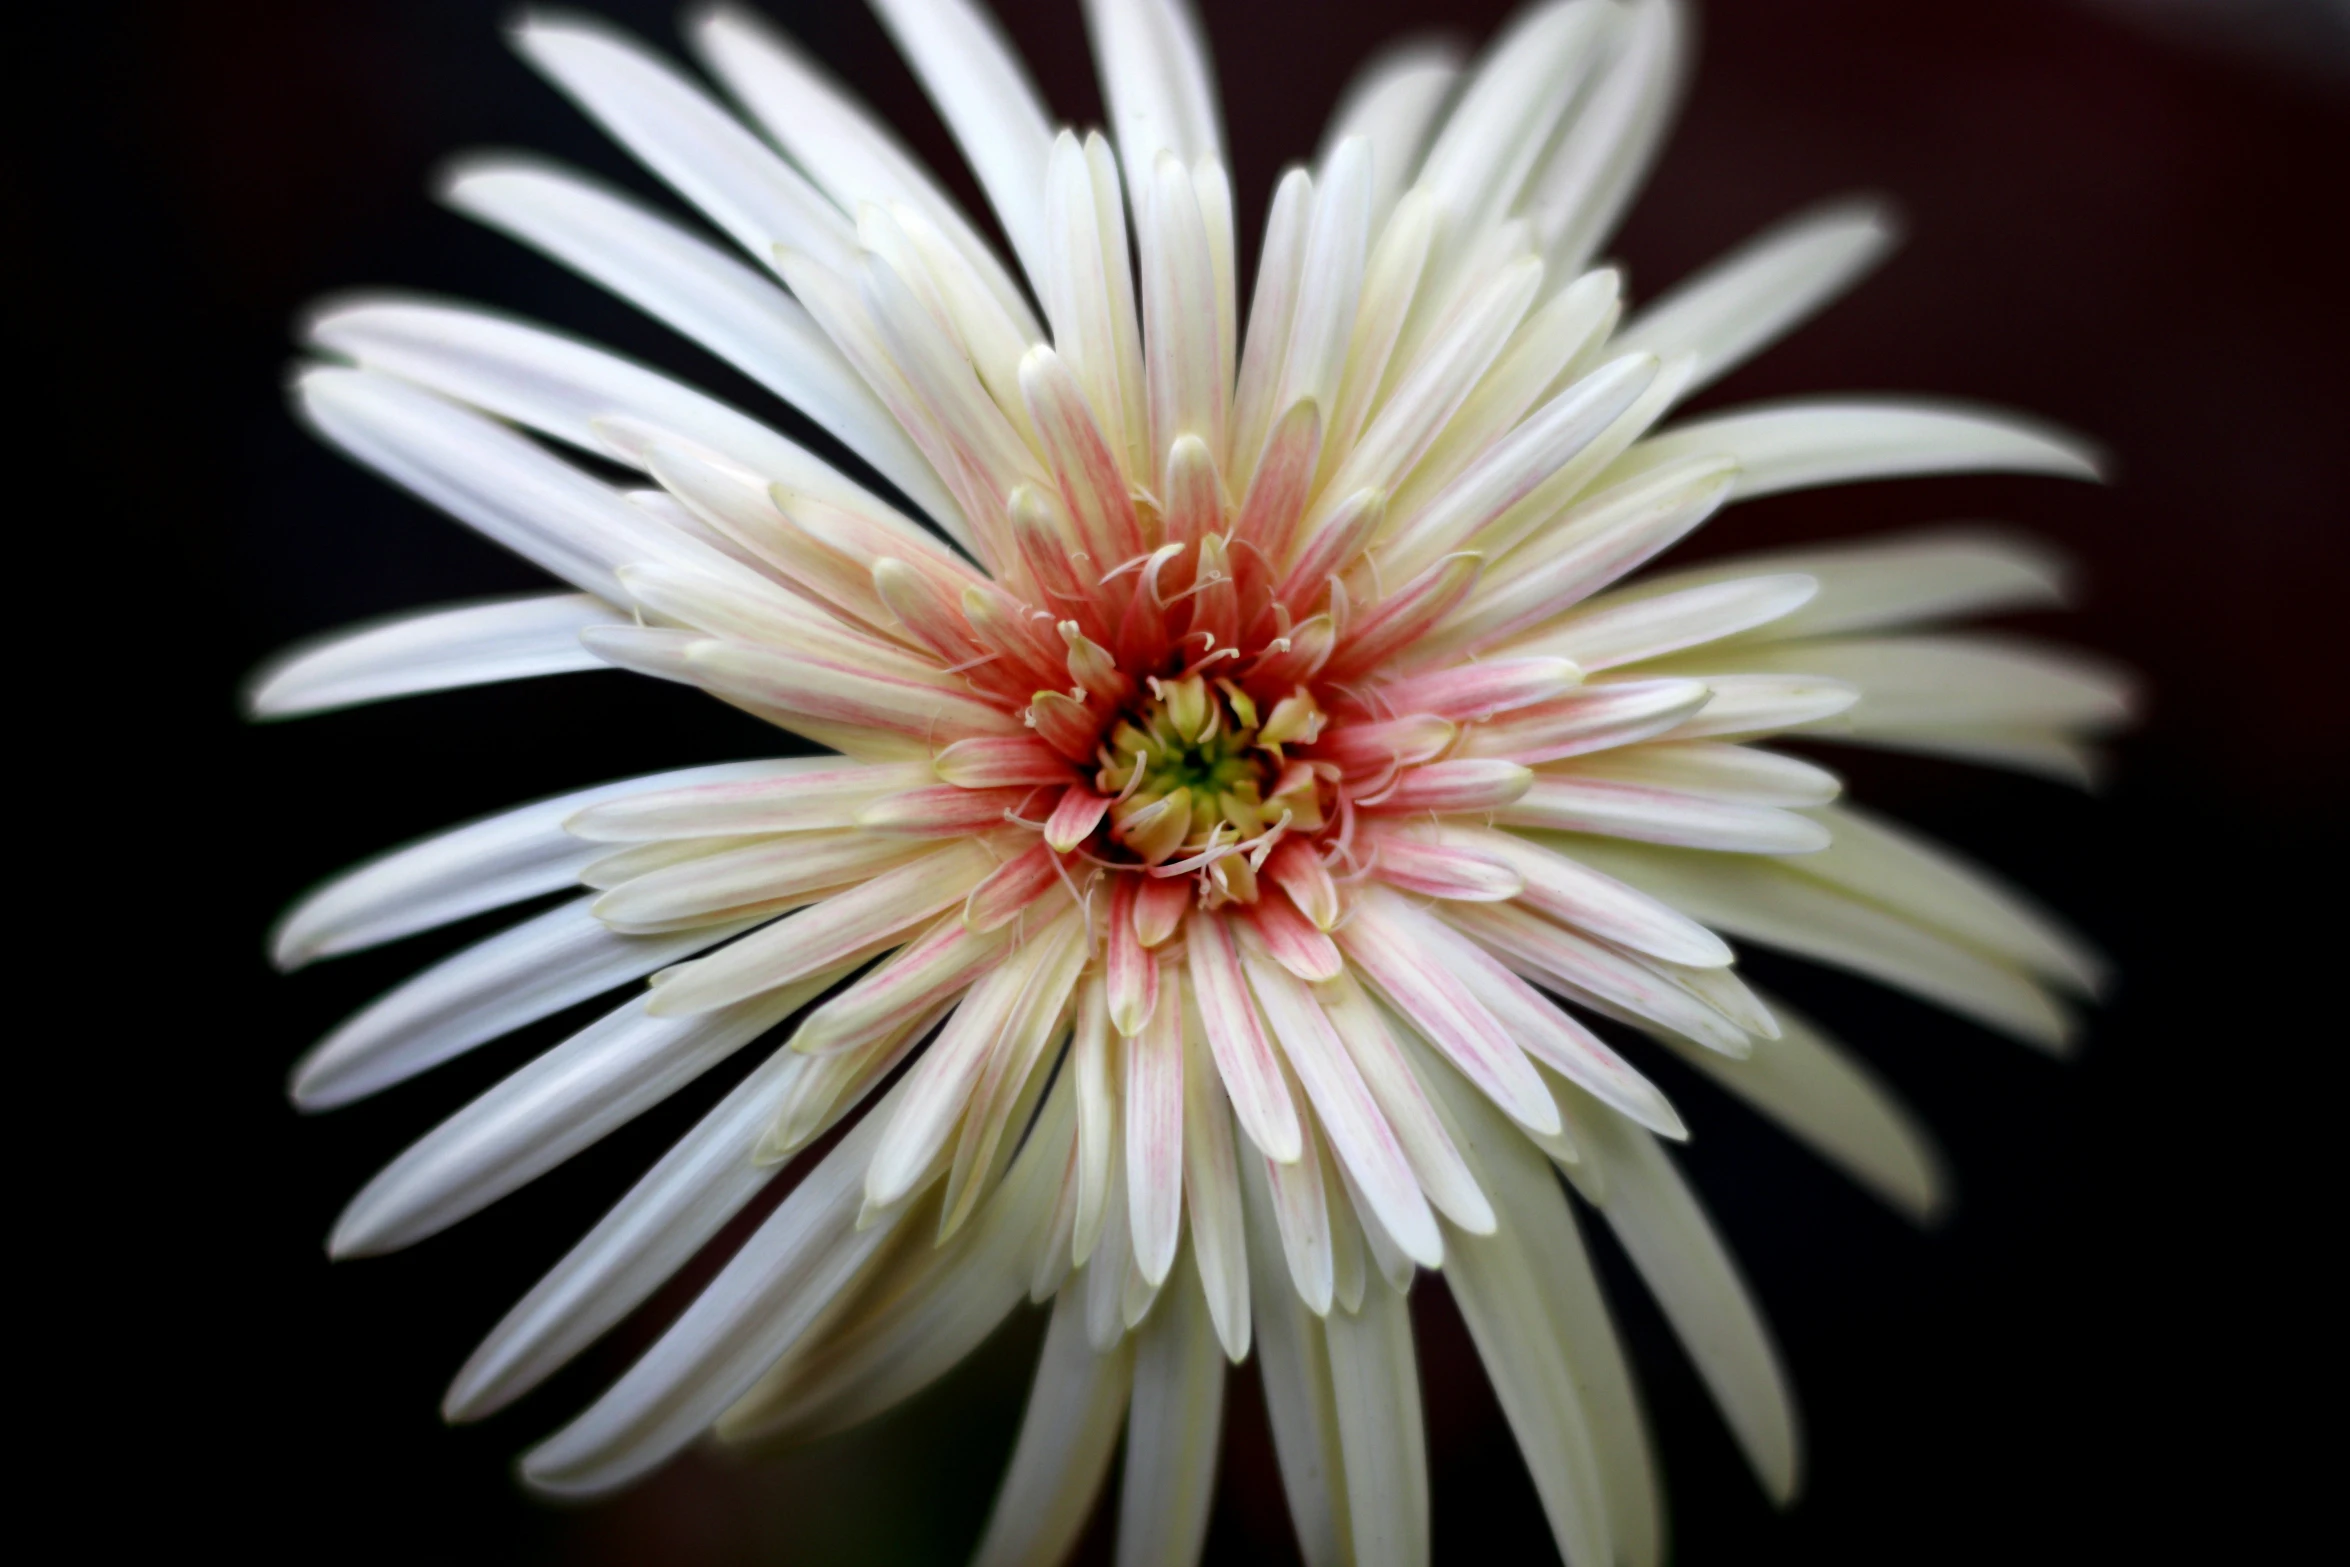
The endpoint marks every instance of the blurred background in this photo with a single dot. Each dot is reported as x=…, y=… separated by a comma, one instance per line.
x=2123, y=215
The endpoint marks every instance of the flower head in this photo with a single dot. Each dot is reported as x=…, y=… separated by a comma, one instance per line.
x=1250, y=771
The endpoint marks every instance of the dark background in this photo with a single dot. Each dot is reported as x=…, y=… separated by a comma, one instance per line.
x=2110, y=1348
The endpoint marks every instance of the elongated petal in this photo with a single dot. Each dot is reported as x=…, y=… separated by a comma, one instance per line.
x=1575, y=894
x=1299, y=1402
x=1498, y=1281
x=1153, y=1084
x=516, y=493
x=1652, y=815
x=1624, y=629
x=1244, y=1058
x=737, y=314
x=1375, y=1384
x=1075, y=1410
x=1765, y=287
x=768, y=1294
x=1395, y=948
x=1348, y=1113
x=1922, y=881
x=430, y=650
x=1907, y=580
x=518, y=976
x=1155, y=76
x=1954, y=681
x=483, y=865
x=1594, y=719
x=1174, y=1429
x=558, y=1104
x=1530, y=1286
x=919, y=1312
x=1685, y=1264
x=1806, y=442
x=1766, y=902
x=798, y=794
x=1587, y=968
x=808, y=942
x=1211, y=1195
x=1736, y=774
x=1830, y=1099
x=1393, y=103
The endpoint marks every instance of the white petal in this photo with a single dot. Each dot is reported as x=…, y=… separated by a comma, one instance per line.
x=675, y=130
x=1392, y=103
x=1574, y=894
x=2044, y=753
x=1375, y=1383
x=1805, y=442
x=1526, y=1339
x=1777, y=906
x=838, y=141
x=1737, y=774
x=1154, y=1106
x=1505, y=115
x=980, y=90
x=734, y=312
x=1156, y=82
x=465, y=870
x=1066, y=1438
x=527, y=972
x=489, y=478
x=1691, y=1274
x=574, y=392
x=702, y=1181
x=557, y=1104
x=430, y=650
x=1652, y=815
x=1330, y=284
x=1272, y=313
x=1350, y=1117
x=1299, y=1402
x=769, y=1293
x=1978, y=681
x=1748, y=299
x=1301, y=1208
x=1921, y=880
x=1828, y=1097
x=1911, y=580
x=927, y=1307
x=1211, y=1194
x=1583, y=185
x=1174, y=1427
x=1626, y=627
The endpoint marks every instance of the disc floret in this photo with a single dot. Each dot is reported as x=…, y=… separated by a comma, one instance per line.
x=1197, y=770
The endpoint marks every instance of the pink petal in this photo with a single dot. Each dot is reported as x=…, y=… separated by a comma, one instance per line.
x=1244, y=1058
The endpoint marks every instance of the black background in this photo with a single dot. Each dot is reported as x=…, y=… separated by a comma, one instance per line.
x=2109, y=1349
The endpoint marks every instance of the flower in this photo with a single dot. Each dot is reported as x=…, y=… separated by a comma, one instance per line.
x=1249, y=764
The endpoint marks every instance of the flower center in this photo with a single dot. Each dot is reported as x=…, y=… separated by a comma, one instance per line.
x=1198, y=768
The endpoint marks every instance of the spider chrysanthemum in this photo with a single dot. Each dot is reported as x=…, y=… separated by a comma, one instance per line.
x=1253, y=770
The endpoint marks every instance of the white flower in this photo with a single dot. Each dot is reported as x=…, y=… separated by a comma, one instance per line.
x=1245, y=745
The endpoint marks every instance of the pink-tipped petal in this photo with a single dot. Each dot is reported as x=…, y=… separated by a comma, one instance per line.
x=1012, y=887
x=1074, y=819
x=1438, y=870
x=1395, y=947
x=1132, y=974
x=1294, y=941
x=999, y=762
x=1244, y=1057
x=1464, y=784
x=1349, y=1115
x=1159, y=907
x=1154, y=1136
